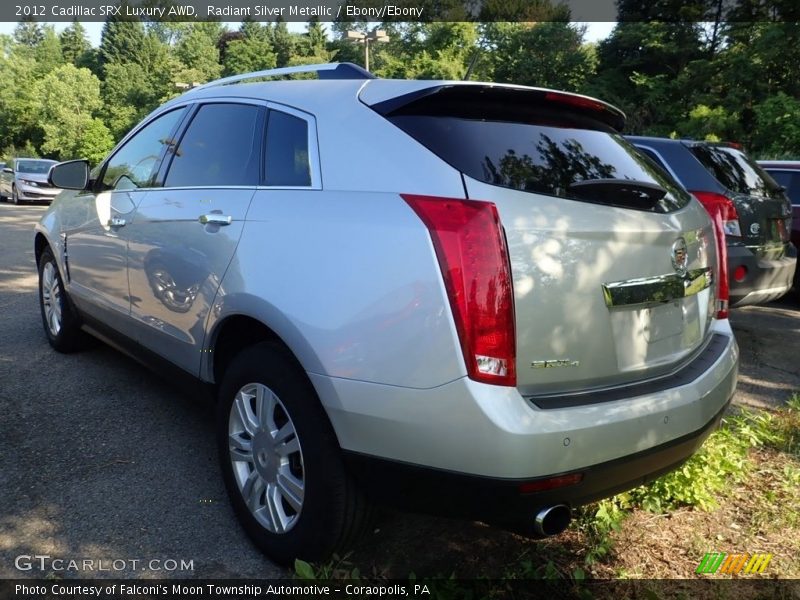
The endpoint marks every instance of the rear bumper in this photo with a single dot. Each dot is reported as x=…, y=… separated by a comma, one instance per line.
x=472, y=444
x=765, y=280
x=500, y=501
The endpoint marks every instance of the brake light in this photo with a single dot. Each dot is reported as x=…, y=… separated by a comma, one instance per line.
x=574, y=100
x=730, y=218
x=471, y=249
x=718, y=208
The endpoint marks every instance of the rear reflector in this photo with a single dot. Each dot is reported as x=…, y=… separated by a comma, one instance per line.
x=471, y=249
x=719, y=207
x=550, y=483
x=739, y=273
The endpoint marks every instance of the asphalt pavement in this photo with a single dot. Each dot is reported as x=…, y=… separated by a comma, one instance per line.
x=101, y=460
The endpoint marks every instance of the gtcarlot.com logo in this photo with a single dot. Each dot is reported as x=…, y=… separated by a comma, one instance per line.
x=45, y=562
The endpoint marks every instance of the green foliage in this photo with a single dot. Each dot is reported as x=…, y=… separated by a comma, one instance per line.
x=711, y=124
x=336, y=568
x=253, y=51
x=550, y=54
x=75, y=46
x=68, y=99
x=701, y=77
x=778, y=126
x=700, y=481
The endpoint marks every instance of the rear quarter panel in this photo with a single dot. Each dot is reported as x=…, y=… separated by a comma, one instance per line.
x=350, y=283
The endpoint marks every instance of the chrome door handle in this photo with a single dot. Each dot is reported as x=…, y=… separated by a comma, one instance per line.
x=214, y=219
x=116, y=222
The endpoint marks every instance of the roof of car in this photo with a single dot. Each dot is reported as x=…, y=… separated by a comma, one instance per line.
x=361, y=85
x=780, y=164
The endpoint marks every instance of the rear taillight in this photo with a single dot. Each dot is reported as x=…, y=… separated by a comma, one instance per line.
x=719, y=207
x=471, y=249
x=730, y=218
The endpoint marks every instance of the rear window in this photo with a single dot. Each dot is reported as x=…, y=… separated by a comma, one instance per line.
x=736, y=171
x=546, y=156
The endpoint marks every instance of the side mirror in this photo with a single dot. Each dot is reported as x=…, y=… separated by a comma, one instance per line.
x=70, y=175
x=8, y=170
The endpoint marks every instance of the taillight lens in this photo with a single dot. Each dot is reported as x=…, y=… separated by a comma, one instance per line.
x=471, y=249
x=730, y=218
x=719, y=207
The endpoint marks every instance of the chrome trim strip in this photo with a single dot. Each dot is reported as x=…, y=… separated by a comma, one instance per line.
x=656, y=290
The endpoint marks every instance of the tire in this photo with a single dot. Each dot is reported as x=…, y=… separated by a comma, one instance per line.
x=305, y=505
x=14, y=196
x=60, y=321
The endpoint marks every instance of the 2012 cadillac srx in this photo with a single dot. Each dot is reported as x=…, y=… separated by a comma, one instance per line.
x=462, y=297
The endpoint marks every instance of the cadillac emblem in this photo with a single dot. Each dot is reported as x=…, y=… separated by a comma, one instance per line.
x=680, y=257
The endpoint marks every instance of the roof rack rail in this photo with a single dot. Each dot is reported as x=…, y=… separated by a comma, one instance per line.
x=325, y=71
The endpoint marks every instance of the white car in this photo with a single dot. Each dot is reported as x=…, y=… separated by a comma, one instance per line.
x=25, y=180
x=467, y=297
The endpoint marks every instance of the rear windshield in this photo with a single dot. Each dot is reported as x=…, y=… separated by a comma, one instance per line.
x=544, y=157
x=736, y=171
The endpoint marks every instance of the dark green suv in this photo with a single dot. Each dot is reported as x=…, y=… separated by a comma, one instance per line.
x=756, y=212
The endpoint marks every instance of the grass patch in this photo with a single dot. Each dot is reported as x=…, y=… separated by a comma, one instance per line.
x=706, y=478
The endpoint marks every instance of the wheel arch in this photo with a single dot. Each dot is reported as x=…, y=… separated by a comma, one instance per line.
x=40, y=242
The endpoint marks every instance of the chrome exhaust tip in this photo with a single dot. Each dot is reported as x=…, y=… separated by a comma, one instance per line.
x=552, y=520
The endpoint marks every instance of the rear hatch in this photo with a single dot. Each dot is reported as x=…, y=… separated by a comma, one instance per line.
x=763, y=208
x=610, y=259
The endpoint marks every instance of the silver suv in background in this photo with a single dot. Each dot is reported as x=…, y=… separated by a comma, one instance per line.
x=25, y=180
x=461, y=297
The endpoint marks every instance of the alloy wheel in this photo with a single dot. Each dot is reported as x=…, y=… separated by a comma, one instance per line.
x=267, y=458
x=51, y=298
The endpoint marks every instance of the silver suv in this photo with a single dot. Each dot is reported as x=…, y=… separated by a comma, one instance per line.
x=460, y=297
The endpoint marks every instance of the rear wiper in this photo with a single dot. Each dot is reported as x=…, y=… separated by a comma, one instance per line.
x=627, y=193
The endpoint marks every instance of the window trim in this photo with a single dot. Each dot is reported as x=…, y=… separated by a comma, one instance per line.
x=155, y=177
x=186, y=123
x=313, y=149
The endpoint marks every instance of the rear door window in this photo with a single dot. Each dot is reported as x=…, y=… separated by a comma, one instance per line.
x=221, y=147
x=545, y=156
x=735, y=170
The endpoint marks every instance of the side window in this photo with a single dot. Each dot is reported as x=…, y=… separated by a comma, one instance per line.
x=136, y=163
x=286, y=159
x=220, y=147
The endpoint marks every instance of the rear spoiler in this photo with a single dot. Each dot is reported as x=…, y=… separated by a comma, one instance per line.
x=503, y=102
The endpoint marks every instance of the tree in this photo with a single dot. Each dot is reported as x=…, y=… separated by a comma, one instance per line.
x=252, y=51
x=28, y=33
x=197, y=50
x=425, y=50
x=47, y=52
x=283, y=43
x=649, y=69
x=68, y=98
x=75, y=45
x=121, y=41
x=550, y=54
